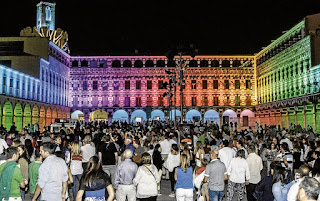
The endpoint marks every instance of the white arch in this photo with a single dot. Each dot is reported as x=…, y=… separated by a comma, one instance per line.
x=120, y=115
x=178, y=114
x=247, y=118
x=75, y=114
x=138, y=115
x=191, y=114
x=155, y=114
x=230, y=116
x=212, y=116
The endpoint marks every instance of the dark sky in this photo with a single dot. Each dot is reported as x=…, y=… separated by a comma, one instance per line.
x=118, y=27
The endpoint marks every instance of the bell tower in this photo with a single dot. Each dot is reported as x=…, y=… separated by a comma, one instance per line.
x=46, y=15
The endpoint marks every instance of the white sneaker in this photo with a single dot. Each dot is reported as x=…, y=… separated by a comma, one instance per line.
x=171, y=195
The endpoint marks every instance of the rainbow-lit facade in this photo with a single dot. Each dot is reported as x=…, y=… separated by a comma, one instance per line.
x=288, y=77
x=279, y=85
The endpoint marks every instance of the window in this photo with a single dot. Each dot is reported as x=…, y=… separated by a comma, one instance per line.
x=160, y=84
x=116, y=101
x=215, y=84
x=127, y=101
x=48, y=13
x=205, y=101
x=75, y=85
x=248, y=100
x=204, y=84
x=237, y=101
x=248, y=84
x=116, y=85
x=226, y=84
x=237, y=84
x=160, y=101
x=194, y=101
x=95, y=85
x=104, y=86
x=149, y=84
x=85, y=85
x=149, y=101
x=138, y=101
x=138, y=84
x=127, y=84
x=193, y=84
x=215, y=101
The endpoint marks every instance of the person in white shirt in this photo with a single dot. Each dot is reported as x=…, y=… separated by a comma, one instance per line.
x=255, y=167
x=226, y=154
x=286, y=140
x=87, y=151
x=293, y=191
x=166, y=149
x=239, y=176
x=3, y=147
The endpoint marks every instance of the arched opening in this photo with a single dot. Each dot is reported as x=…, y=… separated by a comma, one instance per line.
x=160, y=63
x=18, y=116
x=59, y=113
x=27, y=116
x=42, y=118
x=229, y=116
x=138, y=116
x=77, y=115
x=54, y=115
x=157, y=115
x=94, y=64
x=174, y=113
x=75, y=63
x=35, y=114
x=212, y=116
x=149, y=63
x=138, y=64
x=193, y=115
x=193, y=63
x=103, y=64
x=120, y=115
x=247, y=118
x=48, y=116
x=116, y=64
x=225, y=63
x=7, y=115
x=215, y=63
x=236, y=63
x=204, y=63
x=84, y=63
x=98, y=115
x=127, y=64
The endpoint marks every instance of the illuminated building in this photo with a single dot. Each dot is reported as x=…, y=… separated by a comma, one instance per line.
x=279, y=85
x=288, y=77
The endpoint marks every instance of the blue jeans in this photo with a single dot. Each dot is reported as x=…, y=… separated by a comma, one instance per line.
x=215, y=195
x=74, y=190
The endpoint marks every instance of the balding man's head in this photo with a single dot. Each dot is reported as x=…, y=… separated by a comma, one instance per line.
x=304, y=171
x=214, y=154
x=127, y=154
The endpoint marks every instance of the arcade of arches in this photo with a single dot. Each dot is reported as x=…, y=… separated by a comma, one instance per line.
x=24, y=113
x=243, y=119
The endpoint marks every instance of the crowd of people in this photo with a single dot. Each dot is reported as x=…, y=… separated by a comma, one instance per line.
x=121, y=161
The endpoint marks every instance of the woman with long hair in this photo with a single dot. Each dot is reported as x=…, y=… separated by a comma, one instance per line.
x=239, y=176
x=199, y=154
x=95, y=183
x=158, y=162
x=171, y=163
x=29, y=149
x=24, y=166
x=146, y=179
x=76, y=165
x=280, y=186
x=184, y=180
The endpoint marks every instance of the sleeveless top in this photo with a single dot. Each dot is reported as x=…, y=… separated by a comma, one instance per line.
x=184, y=179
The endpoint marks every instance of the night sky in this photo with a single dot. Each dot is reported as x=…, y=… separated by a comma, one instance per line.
x=114, y=27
